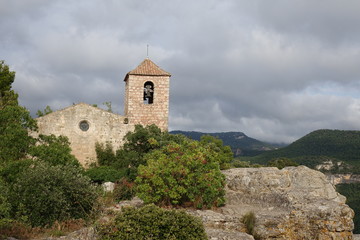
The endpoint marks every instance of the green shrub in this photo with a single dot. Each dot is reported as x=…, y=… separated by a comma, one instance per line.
x=124, y=190
x=249, y=221
x=44, y=194
x=280, y=163
x=105, y=174
x=151, y=222
x=244, y=164
x=181, y=174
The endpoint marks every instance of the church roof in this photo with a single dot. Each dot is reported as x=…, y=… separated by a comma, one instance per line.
x=148, y=68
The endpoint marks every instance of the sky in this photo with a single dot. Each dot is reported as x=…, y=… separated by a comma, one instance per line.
x=275, y=70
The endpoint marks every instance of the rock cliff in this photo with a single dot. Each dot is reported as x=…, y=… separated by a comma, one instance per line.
x=292, y=203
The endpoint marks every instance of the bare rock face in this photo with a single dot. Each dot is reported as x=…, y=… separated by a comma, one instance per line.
x=295, y=203
x=292, y=203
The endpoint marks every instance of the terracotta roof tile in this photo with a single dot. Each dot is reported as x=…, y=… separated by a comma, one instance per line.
x=148, y=68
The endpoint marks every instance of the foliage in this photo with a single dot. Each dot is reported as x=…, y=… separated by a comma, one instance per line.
x=105, y=154
x=151, y=222
x=280, y=163
x=54, y=150
x=224, y=153
x=6, y=78
x=44, y=194
x=236, y=163
x=46, y=111
x=109, y=106
x=124, y=190
x=177, y=174
x=15, y=121
x=352, y=193
x=249, y=220
x=105, y=174
x=137, y=143
x=5, y=206
x=320, y=146
x=13, y=170
x=145, y=139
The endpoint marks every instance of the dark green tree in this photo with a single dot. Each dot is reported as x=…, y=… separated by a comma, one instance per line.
x=53, y=150
x=46, y=111
x=137, y=143
x=15, y=120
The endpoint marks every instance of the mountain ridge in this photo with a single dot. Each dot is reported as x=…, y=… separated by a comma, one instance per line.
x=340, y=147
x=240, y=143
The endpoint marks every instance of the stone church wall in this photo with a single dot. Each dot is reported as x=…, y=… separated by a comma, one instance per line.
x=102, y=125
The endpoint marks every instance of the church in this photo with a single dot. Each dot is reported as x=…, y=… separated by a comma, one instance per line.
x=146, y=103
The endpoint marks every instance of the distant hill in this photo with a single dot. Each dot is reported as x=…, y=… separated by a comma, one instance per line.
x=321, y=146
x=240, y=144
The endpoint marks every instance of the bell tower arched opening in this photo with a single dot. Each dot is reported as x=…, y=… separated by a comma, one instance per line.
x=149, y=92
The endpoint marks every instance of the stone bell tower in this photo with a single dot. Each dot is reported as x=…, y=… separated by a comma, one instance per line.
x=147, y=95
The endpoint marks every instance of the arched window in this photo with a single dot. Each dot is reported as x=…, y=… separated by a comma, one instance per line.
x=148, y=92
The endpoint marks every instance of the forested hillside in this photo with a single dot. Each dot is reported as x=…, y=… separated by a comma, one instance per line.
x=240, y=144
x=321, y=146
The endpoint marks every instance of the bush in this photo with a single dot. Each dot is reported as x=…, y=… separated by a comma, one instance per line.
x=244, y=164
x=249, y=221
x=181, y=174
x=151, y=222
x=124, y=190
x=44, y=194
x=280, y=163
x=105, y=174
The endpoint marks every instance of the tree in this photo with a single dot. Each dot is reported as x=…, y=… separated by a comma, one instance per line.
x=53, y=150
x=137, y=143
x=15, y=120
x=46, y=111
x=182, y=174
x=224, y=153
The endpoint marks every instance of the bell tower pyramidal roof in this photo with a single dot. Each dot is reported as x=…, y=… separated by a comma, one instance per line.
x=147, y=68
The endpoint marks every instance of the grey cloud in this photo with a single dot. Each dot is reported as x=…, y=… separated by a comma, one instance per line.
x=275, y=70
x=330, y=21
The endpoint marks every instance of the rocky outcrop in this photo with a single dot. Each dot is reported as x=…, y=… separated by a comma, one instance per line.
x=343, y=178
x=292, y=203
x=295, y=203
x=82, y=234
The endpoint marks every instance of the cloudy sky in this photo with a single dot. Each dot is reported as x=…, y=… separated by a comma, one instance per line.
x=275, y=70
